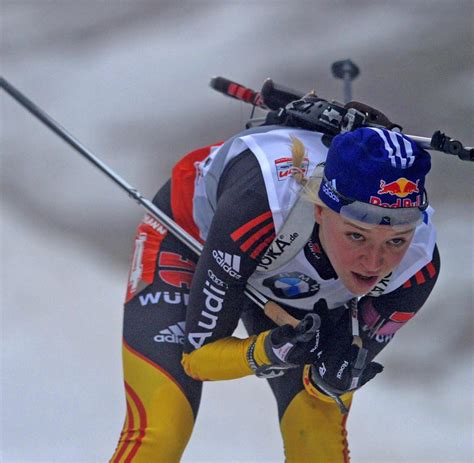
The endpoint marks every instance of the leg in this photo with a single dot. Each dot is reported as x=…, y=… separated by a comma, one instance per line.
x=162, y=401
x=313, y=430
x=160, y=415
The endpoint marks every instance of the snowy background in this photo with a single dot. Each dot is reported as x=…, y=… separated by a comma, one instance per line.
x=130, y=80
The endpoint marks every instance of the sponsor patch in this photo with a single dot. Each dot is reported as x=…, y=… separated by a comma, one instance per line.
x=209, y=315
x=150, y=220
x=312, y=251
x=172, y=298
x=284, y=167
x=150, y=234
x=344, y=365
x=174, y=334
x=330, y=193
x=292, y=285
x=176, y=270
x=397, y=204
x=230, y=263
x=215, y=279
x=276, y=249
x=380, y=287
x=401, y=187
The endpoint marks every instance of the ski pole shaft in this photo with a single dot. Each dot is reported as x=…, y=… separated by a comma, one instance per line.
x=272, y=310
x=347, y=71
x=179, y=232
x=441, y=142
x=172, y=226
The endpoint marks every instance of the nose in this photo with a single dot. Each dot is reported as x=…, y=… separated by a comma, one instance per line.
x=373, y=259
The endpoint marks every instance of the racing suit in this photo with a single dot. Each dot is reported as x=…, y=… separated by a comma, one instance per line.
x=181, y=310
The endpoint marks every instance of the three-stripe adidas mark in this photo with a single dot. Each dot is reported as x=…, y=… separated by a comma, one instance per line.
x=255, y=236
x=173, y=334
x=230, y=263
x=399, y=149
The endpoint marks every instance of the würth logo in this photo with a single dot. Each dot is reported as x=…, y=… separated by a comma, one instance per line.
x=173, y=334
x=230, y=263
x=176, y=270
x=255, y=236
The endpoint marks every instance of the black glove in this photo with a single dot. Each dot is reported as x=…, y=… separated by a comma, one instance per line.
x=341, y=364
x=286, y=345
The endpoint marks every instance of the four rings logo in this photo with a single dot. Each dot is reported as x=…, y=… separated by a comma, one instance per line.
x=215, y=279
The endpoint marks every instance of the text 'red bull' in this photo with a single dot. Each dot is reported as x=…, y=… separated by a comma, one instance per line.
x=400, y=188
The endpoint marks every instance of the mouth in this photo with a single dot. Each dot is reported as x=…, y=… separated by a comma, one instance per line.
x=365, y=279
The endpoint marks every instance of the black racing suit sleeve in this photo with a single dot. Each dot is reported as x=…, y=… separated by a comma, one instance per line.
x=381, y=317
x=241, y=230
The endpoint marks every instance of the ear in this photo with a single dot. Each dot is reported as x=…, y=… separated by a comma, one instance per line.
x=318, y=212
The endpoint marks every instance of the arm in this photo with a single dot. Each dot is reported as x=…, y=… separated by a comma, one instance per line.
x=381, y=317
x=240, y=232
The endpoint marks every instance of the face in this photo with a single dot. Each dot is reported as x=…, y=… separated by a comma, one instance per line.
x=361, y=254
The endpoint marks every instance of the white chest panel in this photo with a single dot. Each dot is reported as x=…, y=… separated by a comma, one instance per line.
x=294, y=282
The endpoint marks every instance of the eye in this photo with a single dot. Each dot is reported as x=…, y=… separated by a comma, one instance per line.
x=397, y=242
x=356, y=236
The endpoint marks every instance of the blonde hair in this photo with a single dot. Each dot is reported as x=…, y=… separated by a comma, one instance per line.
x=310, y=185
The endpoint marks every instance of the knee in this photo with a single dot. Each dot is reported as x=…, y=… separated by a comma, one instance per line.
x=314, y=430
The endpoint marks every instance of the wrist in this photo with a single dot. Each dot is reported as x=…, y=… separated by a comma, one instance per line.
x=317, y=392
x=256, y=354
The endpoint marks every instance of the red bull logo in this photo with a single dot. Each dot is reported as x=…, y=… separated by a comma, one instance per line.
x=400, y=188
x=407, y=202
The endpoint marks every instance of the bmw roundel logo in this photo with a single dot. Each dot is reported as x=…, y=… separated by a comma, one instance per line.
x=292, y=285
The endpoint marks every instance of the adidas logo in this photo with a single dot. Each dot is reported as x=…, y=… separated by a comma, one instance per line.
x=229, y=263
x=173, y=334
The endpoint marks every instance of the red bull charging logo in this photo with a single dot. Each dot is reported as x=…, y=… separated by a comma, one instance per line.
x=401, y=188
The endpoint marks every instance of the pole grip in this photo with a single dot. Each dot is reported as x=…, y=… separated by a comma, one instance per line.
x=279, y=315
x=237, y=91
x=276, y=96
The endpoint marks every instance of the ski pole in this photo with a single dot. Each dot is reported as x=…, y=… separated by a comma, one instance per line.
x=347, y=71
x=271, y=309
x=276, y=97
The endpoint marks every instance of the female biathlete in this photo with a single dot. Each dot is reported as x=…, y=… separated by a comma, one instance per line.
x=349, y=249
